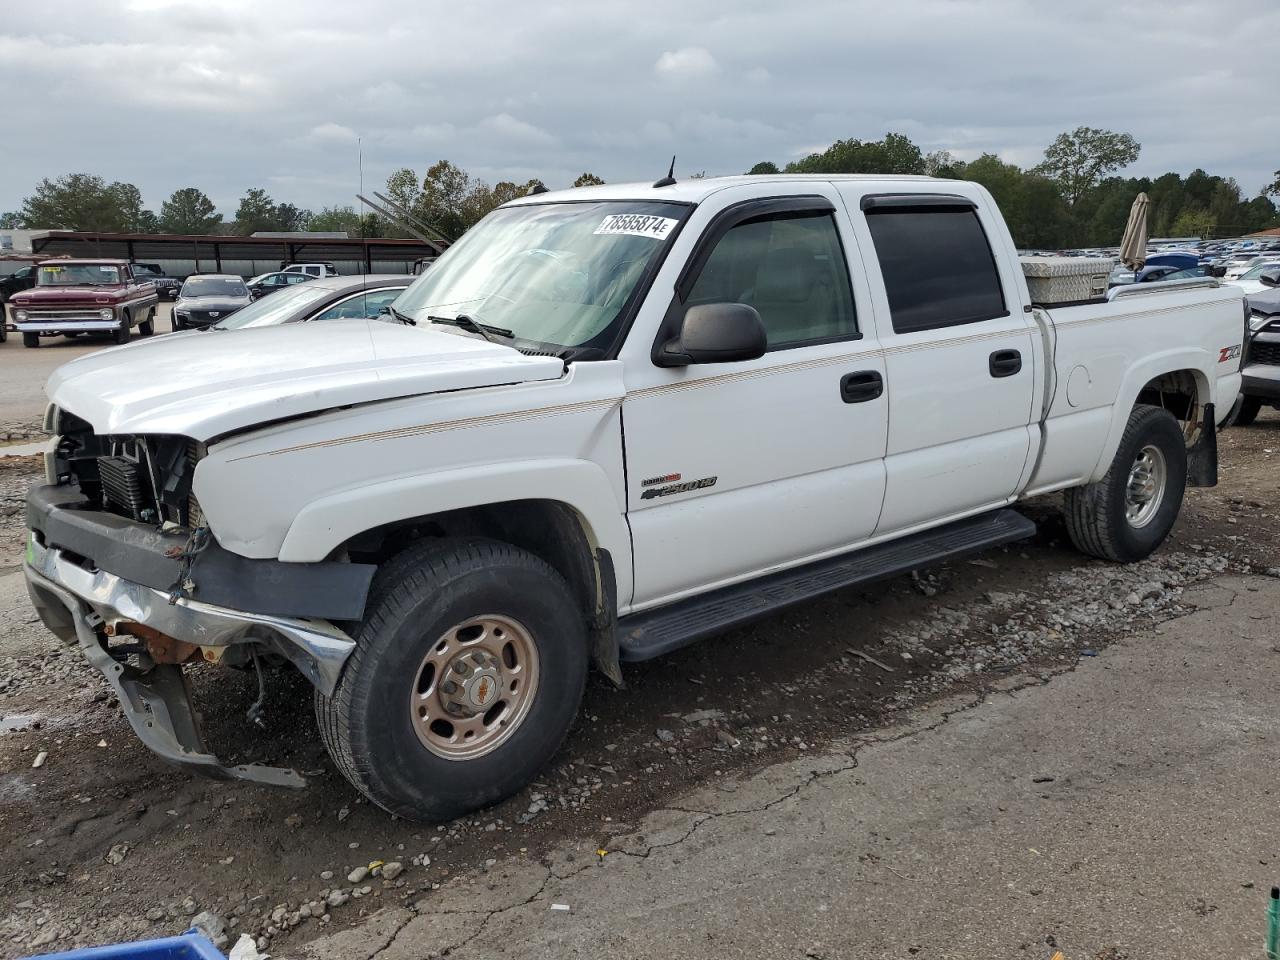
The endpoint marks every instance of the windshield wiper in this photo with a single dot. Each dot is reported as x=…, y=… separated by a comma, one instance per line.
x=475, y=326
x=403, y=318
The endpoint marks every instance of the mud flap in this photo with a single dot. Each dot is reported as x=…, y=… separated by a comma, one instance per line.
x=1202, y=457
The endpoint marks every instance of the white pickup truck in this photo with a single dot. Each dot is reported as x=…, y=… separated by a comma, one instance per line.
x=609, y=421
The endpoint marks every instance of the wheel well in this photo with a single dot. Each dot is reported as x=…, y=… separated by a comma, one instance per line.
x=548, y=529
x=1180, y=392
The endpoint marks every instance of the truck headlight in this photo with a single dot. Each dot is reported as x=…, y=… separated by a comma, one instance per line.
x=19, y=315
x=106, y=313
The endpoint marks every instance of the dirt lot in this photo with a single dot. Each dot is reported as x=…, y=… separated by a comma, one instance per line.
x=106, y=843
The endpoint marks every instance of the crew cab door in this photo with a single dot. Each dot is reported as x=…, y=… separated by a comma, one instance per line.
x=734, y=469
x=959, y=353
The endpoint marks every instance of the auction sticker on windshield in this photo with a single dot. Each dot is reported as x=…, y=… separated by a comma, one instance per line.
x=636, y=225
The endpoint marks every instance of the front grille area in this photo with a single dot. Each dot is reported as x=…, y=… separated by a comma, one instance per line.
x=1268, y=353
x=126, y=488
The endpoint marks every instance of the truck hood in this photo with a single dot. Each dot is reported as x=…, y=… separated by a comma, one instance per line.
x=208, y=383
x=50, y=296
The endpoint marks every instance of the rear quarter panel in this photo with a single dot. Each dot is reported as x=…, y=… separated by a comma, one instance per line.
x=1106, y=353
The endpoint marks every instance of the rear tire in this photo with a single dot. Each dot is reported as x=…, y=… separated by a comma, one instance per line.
x=442, y=603
x=1248, y=412
x=31, y=339
x=1127, y=514
x=121, y=335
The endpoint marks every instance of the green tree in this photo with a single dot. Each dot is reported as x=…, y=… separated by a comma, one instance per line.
x=11, y=220
x=764, y=167
x=941, y=163
x=189, y=211
x=289, y=217
x=894, y=154
x=446, y=200
x=588, y=180
x=81, y=201
x=1076, y=161
x=336, y=220
x=257, y=211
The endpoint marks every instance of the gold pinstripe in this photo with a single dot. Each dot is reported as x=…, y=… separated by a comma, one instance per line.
x=875, y=353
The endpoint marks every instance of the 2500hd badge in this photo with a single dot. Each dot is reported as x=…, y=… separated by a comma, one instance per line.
x=673, y=488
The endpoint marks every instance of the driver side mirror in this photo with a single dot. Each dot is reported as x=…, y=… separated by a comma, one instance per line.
x=1270, y=278
x=715, y=333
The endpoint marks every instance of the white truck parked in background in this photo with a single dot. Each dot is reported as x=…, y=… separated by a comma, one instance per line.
x=610, y=421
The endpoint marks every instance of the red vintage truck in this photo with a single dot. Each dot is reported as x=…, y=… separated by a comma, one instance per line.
x=84, y=296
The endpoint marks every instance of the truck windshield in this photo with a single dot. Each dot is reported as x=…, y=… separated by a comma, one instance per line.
x=214, y=287
x=555, y=275
x=78, y=275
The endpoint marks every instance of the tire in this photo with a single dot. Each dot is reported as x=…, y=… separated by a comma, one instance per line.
x=148, y=326
x=31, y=339
x=429, y=594
x=121, y=334
x=1248, y=412
x=175, y=324
x=1098, y=514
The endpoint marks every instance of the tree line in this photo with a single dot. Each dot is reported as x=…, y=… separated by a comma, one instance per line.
x=1072, y=198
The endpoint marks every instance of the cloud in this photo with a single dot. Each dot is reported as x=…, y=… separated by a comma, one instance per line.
x=590, y=86
x=332, y=133
x=509, y=128
x=687, y=63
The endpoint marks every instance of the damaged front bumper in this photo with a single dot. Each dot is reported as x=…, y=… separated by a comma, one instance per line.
x=83, y=600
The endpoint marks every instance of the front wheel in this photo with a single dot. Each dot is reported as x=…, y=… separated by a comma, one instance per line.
x=31, y=339
x=467, y=674
x=1127, y=514
x=121, y=333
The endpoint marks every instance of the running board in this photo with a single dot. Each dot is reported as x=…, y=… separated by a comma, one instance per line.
x=652, y=633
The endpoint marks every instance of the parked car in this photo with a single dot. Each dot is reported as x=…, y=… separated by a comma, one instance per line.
x=1260, y=385
x=1251, y=282
x=207, y=298
x=266, y=283
x=824, y=381
x=311, y=269
x=166, y=287
x=24, y=278
x=72, y=297
x=329, y=298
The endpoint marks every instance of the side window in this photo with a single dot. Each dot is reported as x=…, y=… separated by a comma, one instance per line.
x=937, y=266
x=375, y=300
x=791, y=268
x=294, y=278
x=350, y=308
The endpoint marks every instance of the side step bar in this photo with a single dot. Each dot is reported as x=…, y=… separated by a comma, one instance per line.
x=652, y=633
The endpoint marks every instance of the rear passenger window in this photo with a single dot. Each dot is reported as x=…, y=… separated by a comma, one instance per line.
x=791, y=269
x=937, y=266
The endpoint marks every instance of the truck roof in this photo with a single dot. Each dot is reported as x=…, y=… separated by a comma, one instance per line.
x=695, y=190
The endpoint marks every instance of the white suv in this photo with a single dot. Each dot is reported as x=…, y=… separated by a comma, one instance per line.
x=311, y=269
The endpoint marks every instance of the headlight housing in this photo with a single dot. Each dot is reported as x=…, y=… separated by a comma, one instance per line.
x=106, y=313
x=1258, y=320
x=19, y=315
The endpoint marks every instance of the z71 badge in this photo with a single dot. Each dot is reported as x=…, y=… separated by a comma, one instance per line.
x=1228, y=353
x=674, y=488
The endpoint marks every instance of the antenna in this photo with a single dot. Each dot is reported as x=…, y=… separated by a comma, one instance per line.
x=364, y=248
x=670, y=179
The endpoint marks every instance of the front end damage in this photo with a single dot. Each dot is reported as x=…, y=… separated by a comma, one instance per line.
x=144, y=593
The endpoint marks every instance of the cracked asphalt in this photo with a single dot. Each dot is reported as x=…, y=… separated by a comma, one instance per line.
x=1123, y=808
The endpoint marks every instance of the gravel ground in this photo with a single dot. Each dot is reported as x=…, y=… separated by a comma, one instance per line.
x=105, y=843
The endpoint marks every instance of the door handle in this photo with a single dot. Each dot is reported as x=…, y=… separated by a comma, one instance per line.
x=861, y=386
x=1005, y=363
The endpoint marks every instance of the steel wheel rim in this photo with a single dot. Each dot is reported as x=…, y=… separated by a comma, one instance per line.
x=474, y=687
x=1144, y=492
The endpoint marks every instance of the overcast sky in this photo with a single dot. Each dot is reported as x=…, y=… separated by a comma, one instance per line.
x=230, y=94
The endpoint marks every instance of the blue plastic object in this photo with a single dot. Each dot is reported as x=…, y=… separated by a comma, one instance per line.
x=188, y=946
